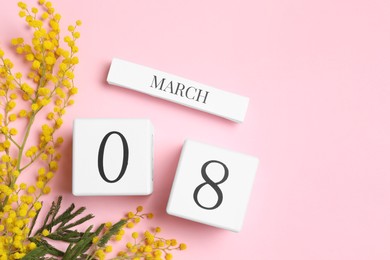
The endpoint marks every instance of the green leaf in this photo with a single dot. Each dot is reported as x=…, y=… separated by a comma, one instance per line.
x=55, y=206
x=72, y=252
x=73, y=237
x=67, y=213
x=36, y=253
x=49, y=249
x=54, y=212
x=65, y=218
x=80, y=221
x=114, y=229
x=34, y=220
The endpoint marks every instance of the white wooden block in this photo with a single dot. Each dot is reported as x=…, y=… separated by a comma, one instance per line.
x=212, y=185
x=177, y=89
x=112, y=157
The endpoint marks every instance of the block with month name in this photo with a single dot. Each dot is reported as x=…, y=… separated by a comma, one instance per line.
x=177, y=89
x=212, y=185
x=112, y=157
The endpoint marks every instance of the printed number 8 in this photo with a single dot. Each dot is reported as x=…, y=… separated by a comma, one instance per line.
x=213, y=185
x=124, y=161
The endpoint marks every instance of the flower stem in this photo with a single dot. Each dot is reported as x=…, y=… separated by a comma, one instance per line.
x=22, y=146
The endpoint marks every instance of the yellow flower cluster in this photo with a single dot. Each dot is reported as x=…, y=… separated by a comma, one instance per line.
x=149, y=246
x=47, y=88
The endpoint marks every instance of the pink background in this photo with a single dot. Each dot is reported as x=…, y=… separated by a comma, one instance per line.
x=317, y=74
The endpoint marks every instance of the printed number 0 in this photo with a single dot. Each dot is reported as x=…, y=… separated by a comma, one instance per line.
x=124, y=161
x=213, y=185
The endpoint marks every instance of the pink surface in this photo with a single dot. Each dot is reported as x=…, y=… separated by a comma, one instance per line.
x=317, y=74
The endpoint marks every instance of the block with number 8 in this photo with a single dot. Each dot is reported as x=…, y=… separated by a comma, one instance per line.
x=212, y=185
x=112, y=157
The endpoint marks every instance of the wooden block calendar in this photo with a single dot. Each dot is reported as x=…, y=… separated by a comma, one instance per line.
x=177, y=89
x=112, y=157
x=212, y=185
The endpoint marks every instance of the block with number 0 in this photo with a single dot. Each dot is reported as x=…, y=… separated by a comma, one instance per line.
x=212, y=185
x=112, y=157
